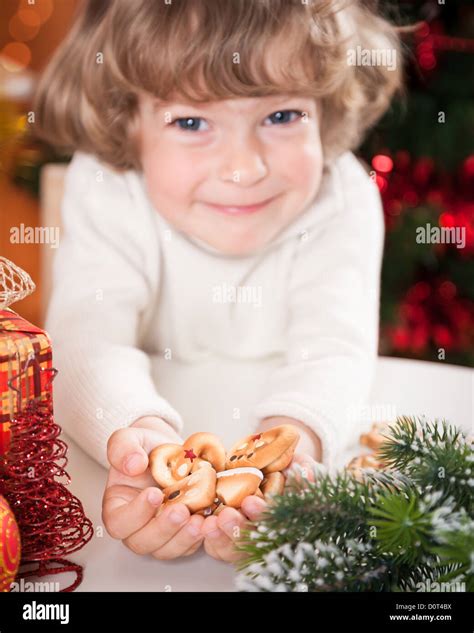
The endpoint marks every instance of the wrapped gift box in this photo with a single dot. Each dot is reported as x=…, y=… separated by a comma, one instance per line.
x=25, y=355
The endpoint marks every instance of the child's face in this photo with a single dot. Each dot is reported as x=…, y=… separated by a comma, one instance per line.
x=234, y=153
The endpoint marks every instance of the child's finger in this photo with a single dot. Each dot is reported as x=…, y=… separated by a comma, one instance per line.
x=228, y=518
x=231, y=523
x=302, y=465
x=188, y=538
x=307, y=471
x=124, y=511
x=126, y=453
x=161, y=529
x=193, y=549
x=209, y=524
x=223, y=546
x=298, y=458
x=212, y=535
x=210, y=549
x=221, y=535
x=253, y=507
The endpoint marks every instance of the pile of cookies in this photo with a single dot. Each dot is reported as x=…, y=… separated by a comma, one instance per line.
x=200, y=474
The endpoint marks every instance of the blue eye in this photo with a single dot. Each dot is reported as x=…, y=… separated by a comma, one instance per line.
x=192, y=124
x=282, y=116
x=188, y=124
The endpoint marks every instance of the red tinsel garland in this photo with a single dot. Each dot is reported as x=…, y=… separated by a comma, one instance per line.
x=44, y=568
x=51, y=519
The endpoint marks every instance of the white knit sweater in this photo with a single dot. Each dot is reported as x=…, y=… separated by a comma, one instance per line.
x=147, y=321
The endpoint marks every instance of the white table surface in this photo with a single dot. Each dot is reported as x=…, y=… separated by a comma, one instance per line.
x=406, y=387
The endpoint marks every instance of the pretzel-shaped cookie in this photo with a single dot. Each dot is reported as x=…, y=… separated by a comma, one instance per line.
x=170, y=463
x=374, y=438
x=269, y=451
x=208, y=449
x=237, y=483
x=238, y=489
x=196, y=491
x=273, y=484
x=358, y=464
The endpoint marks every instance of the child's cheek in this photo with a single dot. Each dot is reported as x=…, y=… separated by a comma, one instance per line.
x=170, y=174
x=303, y=167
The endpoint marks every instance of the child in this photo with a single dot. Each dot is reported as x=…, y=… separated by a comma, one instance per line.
x=221, y=249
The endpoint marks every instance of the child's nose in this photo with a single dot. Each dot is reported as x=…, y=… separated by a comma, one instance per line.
x=242, y=161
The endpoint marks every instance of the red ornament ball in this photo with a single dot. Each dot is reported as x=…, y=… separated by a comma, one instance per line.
x=10, y=546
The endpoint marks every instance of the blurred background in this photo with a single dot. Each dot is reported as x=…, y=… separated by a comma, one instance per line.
x=421, y=154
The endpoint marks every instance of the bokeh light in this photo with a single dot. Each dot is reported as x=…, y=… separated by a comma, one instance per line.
x=24, y=25
x=446, y=219
x=411, y=197
x=423, y=29
x=381, y=182
x=43, y=8
x=382, y=163
x=468, y=166
x=15, y=56
x=419, y=292
x=447, y=290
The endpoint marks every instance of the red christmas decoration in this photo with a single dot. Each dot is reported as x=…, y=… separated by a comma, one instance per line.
x=433, y=314
x=10, y=546
x=416, y=193
x=51, y=519
x=33, y=478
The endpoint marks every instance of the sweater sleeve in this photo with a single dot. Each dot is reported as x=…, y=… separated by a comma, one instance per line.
x=333, y=316
x=105, y=279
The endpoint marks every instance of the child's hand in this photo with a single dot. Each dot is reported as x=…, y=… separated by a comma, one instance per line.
x=223, y=530
x=131, y=499
x=306, y=462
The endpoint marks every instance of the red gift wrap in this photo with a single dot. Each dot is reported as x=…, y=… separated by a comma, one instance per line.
x=25, y=368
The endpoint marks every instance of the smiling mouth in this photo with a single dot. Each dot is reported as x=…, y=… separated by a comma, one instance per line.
x=240, y=209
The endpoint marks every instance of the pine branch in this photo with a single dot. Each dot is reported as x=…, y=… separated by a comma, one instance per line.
x=403, y=527
x=321, y=510
x=423, y=576
x=348, y=566
x=454, y=537
x=398, y=529
x=436, y=456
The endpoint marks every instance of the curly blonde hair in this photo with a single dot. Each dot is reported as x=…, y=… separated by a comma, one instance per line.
x=203, y=50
